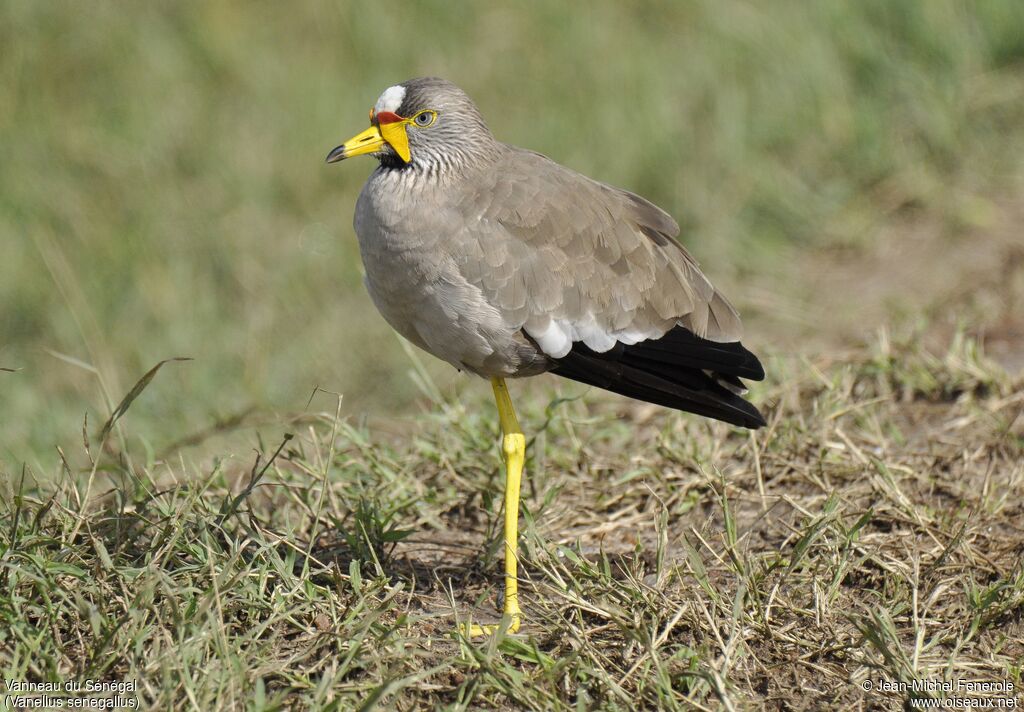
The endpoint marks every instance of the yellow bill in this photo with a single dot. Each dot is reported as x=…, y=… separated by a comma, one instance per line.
x=373, y=139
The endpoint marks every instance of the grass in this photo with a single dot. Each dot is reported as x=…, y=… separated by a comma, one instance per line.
x=667, y=562
x=162, y=191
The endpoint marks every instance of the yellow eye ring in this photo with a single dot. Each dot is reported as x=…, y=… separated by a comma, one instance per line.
x=425, y=118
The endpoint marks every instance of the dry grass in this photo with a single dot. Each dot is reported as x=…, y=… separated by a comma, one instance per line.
x=872, y=531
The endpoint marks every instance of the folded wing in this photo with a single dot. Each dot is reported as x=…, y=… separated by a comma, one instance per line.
x=594, y=276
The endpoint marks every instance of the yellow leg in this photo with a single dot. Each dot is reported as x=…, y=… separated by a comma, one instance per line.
x=513, y=448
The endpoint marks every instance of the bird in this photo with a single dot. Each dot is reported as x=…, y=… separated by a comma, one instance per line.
x=506, y=264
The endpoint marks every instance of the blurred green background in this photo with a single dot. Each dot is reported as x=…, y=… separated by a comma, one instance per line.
x=163, y=192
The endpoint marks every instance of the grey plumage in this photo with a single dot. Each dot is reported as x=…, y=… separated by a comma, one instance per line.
x=504, y=263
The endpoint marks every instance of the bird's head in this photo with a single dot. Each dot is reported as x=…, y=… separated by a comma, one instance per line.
x=424, y=122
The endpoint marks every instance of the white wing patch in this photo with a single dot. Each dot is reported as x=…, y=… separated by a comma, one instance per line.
x=553, y=339
x=557, y=336
x=391, y=99
x=590, y=333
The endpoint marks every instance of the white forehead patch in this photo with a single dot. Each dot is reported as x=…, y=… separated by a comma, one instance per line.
x=391, y=99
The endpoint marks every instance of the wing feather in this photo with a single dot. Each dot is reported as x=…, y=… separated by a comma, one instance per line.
x=568, y=254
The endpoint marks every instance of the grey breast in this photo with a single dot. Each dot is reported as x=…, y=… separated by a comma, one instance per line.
x=412, y=239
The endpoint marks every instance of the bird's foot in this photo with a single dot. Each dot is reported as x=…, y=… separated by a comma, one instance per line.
x=510, y=622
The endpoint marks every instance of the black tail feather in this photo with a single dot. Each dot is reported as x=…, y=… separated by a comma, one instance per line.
x=679, y=370
x=681, y=347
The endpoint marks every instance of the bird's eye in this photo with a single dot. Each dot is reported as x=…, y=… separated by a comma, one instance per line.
x=425, y=118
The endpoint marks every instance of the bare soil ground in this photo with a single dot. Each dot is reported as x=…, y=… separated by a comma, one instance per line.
x=919, y=276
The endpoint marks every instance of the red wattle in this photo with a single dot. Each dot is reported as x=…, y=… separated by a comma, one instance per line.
x=387, y=117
